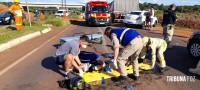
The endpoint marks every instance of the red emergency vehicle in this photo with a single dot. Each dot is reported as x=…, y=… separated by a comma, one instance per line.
x=97, y=13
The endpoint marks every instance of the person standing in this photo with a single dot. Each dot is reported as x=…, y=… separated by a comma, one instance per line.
x=16, y=10
x=169, y=19
x=132, y=42
x=148, y=21
x=151, y=13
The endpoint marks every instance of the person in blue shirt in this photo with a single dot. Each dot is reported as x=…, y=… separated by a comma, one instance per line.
x=132, y=42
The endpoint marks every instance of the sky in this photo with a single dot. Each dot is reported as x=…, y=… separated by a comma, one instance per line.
x=165, y=2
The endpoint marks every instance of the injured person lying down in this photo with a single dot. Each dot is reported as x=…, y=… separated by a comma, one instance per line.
x=89, y=60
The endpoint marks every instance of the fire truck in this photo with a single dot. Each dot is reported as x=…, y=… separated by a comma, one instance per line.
x=97, y=13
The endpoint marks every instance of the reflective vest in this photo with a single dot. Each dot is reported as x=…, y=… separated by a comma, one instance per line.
x=125, y=35
x=16, y=9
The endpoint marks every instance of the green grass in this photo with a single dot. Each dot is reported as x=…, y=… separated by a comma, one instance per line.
x=55, y=21
x=9, y=34
x=75, y=16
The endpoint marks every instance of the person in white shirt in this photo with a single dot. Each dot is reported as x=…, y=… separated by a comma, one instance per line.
x=151, y=11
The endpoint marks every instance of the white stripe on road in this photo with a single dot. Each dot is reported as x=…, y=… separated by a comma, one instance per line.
x=33, y=51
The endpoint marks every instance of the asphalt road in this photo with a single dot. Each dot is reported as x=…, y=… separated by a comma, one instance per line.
x=29, y=66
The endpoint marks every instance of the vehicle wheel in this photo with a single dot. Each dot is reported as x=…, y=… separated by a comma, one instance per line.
x=86, y=22
x=154, y=25
x=127, y=25
x=90, y=24
x=143, y=25
x=194, y=49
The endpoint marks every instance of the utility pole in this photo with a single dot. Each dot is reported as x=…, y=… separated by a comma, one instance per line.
x=62, y=4
x=65, y=5
x=28, y=13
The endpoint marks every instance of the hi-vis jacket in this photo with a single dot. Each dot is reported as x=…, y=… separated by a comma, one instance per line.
x=155, y=43
x=16, y=9
x=124, y=35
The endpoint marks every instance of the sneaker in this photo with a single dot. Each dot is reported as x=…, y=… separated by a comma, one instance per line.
x=193, y=71
x=122, y=78
x=136, y=78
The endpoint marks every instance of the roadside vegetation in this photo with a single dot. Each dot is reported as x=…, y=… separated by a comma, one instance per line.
x=55, y=21
x=188, y=16
x=76, y=14
x=8, y=33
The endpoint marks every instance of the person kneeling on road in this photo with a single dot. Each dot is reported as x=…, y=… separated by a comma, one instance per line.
x=132, y=43
x=152, y=44
x=69, y=52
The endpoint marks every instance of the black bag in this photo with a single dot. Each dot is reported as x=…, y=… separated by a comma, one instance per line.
x=76, y=83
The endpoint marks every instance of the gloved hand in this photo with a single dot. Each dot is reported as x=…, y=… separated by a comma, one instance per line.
x=81, y=72
x=115, y=63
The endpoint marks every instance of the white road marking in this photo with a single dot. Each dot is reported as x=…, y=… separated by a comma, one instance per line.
x=33, y=51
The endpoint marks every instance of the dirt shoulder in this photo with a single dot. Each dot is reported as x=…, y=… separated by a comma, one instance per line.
x=186, y=33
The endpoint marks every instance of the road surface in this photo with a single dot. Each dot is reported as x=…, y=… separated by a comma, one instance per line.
x=29, y=66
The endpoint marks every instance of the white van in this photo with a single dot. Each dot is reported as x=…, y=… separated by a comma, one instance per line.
x=60, y=13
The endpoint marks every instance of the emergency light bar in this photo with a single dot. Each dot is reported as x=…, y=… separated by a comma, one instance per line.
x=98, y=3
x=98, y=0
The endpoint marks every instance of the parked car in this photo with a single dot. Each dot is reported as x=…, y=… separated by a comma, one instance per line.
x=138, y=18
x=7, y=17
x=60, y=13
x=193, y=45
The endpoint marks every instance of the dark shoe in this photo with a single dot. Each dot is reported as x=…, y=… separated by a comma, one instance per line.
x=136, y=78
x=124, y=78
x=162, y=70
x=169, y=47
x=69, y=75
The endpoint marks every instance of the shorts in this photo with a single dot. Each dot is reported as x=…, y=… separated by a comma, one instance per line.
x=59, y=59
x=148, y=19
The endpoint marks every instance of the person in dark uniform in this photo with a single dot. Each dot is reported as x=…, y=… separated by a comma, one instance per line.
x=169, y=19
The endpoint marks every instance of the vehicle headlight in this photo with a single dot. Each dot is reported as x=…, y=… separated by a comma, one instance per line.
x=108, y=15
x=6, y=19
x=92, y=15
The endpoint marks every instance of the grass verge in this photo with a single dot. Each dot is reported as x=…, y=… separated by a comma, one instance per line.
x=55, y=21
x=7, y=33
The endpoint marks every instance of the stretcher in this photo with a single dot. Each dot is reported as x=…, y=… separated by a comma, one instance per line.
x=94, y=38
x=97, y=75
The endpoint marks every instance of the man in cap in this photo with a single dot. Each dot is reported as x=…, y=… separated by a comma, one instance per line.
x=16, y=10
x=132, y=42
x=153, y=44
